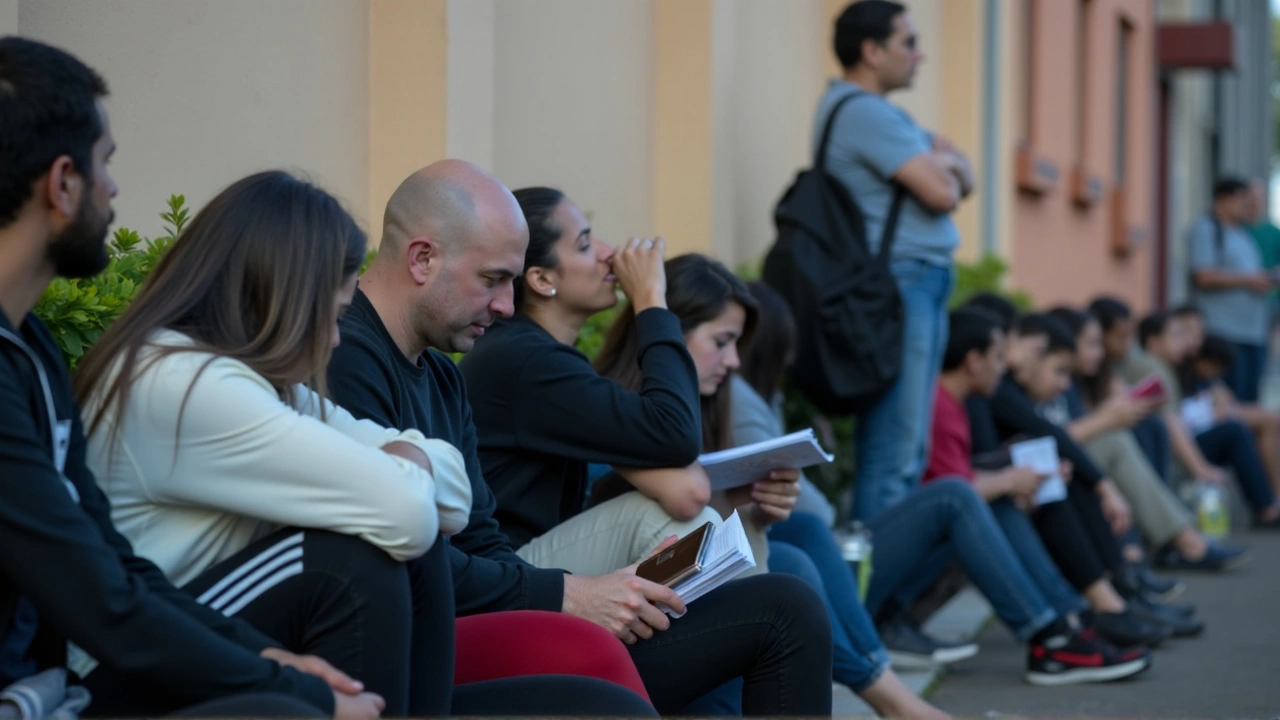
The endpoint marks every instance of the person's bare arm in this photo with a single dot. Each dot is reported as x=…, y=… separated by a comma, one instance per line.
x=929, y=178
x=682, y=492
x=1217, y=279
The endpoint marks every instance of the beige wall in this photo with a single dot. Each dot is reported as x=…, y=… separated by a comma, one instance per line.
x=573, y=102
x=206, y=91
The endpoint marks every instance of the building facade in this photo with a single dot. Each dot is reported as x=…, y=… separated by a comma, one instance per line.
x=685, y=118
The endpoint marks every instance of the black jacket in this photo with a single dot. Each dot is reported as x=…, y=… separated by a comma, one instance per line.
x=543, y=413
x=372, y=379
x=60, y=552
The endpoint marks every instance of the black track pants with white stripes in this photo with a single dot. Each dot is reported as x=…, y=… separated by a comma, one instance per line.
x=334, y=596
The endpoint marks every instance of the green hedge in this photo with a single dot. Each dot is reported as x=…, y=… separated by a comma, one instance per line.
x=77, y=312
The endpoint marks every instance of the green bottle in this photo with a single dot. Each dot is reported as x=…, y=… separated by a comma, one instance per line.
x=1211, y=512
x=857, y=551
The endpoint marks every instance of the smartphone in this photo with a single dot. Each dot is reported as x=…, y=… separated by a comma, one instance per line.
x=678, y=562
x=1149, y=388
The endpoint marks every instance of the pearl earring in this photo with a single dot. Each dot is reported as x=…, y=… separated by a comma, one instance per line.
x=553, y=292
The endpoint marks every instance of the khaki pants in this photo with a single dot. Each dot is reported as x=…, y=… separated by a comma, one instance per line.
x=1156, y=510
x=610, y=536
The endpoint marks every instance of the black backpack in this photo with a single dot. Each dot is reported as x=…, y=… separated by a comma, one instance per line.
x=848, y=311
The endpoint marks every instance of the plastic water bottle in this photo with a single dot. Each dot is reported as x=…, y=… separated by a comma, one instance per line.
x=1211, y=511
x=857, y=550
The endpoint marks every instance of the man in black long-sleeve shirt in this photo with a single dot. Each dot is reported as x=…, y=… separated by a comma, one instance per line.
x=66, y=575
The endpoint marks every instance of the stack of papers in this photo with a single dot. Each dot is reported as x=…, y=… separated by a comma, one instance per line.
x=1041, y=455
x=726, y=555
x=748, y=463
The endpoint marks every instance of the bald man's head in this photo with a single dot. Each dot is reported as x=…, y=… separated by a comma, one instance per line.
x=453, y=240
x=452, y=202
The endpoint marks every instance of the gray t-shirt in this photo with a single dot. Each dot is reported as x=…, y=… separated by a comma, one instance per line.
x=872, y=139
x=1239, y=315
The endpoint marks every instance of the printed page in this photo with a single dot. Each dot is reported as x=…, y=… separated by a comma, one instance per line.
x=1041, y=455
x=746, y=464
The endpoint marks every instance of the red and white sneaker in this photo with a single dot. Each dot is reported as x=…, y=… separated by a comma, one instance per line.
x=1082, y=657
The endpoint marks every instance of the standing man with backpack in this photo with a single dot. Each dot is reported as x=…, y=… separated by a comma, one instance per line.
x=1230, y=284
x=877, y=151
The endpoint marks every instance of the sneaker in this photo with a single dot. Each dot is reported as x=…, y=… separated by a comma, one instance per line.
x=1081, y=657
x=1161, y=588
x=1216, y=559
x=911, y=649
x=1127, y=629
x=1154, y=613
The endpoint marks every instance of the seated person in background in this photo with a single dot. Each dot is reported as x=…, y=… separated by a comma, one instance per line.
x=1098, y=413
x=1162, y=347
x=454, y=240
x=1118, y=333
x=861, y=661
x=1093, y=509
x=66, y=574
x=973, y=367
x=209, y=434
x=1208, y=371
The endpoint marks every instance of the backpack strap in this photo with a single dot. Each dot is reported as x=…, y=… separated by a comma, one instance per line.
x=820, y=161
x=891, y=224
x=1219, y=240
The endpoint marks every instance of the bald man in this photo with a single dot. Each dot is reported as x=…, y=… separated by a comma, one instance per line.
x=453, y=243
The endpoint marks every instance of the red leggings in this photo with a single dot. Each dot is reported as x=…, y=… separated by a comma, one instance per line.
x=535, y=642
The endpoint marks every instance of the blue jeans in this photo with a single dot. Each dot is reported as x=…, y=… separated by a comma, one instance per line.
x=1230, y=444
x=804, y=547
x=1245, y=374
x=892, y=435
x=948, y=513
x=1153, y=437
x=1025, y=541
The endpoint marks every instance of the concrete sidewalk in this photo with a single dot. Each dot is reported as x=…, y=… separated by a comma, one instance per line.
x=1232, y=671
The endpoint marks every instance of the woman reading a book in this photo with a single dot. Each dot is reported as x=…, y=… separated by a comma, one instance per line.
x=543, y=414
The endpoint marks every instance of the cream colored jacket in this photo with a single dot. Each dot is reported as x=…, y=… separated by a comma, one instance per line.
x=191, y=486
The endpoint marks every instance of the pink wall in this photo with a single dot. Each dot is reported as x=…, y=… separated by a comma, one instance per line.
x=1062, y=252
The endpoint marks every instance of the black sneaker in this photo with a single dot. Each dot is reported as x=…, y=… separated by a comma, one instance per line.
x=1161, y=588
x=911, y=649
x=1081, y=657
x=1126, y=629
x=1156, y=614
x=1216, y=559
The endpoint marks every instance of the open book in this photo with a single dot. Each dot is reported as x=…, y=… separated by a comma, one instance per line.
x=726, y=554
x=746, y=464
x=1041, y=455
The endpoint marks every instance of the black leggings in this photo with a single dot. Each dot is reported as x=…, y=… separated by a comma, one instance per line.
x=1078, y=537
x=253, y=705
x=771, y=630
x=385, y=623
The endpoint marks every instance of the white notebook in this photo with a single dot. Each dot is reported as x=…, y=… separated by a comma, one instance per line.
x=748, y=463
x=726, y=555
x=1041, y=455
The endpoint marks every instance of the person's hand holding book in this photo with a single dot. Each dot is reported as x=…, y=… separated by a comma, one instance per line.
x=771, y=500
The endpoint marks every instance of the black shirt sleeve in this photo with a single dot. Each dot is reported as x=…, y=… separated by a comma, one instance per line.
x=85, y=581
x=488, y=576
x=570, y=410
x=1014, y=414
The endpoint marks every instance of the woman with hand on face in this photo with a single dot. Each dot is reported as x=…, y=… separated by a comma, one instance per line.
x=543, y=414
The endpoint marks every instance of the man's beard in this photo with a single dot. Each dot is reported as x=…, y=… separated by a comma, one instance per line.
x=80, y=250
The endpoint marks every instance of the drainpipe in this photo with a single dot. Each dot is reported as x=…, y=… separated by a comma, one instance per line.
x=990, y=130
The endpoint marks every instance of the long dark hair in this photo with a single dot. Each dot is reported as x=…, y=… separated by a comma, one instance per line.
x=698, y=291
x=538, y=204
x=772, y=348
x=253, y=277
x=1095, y=388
